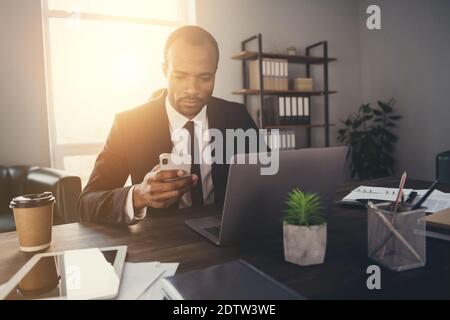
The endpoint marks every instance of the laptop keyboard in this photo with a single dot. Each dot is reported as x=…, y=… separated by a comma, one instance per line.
x=215, y=231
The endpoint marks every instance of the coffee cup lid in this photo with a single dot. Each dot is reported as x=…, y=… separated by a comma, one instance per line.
x=32, y=200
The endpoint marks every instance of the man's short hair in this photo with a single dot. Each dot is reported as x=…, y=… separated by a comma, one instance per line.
x=193, y=35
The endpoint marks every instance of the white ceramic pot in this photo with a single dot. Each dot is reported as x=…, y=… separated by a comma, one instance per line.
x=304, y=245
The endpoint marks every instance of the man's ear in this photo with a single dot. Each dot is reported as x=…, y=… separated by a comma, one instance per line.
x=164, y=68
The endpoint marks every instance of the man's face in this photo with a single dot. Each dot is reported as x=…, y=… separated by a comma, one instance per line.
x=190, y=71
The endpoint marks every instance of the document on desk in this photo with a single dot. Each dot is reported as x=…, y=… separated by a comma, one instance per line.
x=374, y=193
x=437, y=201
x=154, y=292
x=2, y=286
x=137, y=278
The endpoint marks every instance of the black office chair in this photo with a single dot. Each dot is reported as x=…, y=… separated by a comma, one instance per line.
x=443, y=167
x=19, y=180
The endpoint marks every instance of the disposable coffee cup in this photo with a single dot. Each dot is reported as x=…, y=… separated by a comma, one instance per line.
x=33, y=215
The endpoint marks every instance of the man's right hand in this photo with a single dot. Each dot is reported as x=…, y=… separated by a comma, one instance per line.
x=156, y=192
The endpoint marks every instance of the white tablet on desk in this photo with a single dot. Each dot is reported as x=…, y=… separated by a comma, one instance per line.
x=75, y=274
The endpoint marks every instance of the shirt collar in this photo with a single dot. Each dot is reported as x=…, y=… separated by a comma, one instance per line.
x=178, y=121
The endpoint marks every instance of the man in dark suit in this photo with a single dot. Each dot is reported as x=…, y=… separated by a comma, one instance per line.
x=138, y=136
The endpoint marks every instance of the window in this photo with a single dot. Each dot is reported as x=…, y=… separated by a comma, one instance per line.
x=102, y=57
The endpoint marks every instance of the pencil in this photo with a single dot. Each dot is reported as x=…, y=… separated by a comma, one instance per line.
x=400, y=191
x=399, y=194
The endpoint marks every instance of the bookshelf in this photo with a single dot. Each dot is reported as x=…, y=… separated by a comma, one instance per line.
x=308, y=60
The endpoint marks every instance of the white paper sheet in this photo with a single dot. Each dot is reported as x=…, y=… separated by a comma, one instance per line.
x=375, y=193
x=137, y=278
x=2, y=286
x=437, y=200
x=154, y=292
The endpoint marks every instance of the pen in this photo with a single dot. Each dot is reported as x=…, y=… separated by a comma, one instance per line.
x=411, y=197
x=425, y=196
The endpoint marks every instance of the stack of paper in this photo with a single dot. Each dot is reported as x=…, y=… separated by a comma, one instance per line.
x=437, y=200
x=142, y=280
x=155, y=292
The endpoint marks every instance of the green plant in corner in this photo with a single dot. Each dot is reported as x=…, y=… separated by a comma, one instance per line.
x=370, y=140
x=304, y=209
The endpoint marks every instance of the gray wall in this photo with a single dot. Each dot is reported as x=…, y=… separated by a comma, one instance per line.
x=408, y=59
x=23, y=114
x=285, y=23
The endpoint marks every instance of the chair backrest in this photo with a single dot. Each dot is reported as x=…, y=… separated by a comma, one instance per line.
x=4, y=190
x=19, y=180
x=65, y=187
x=12, y=184
x=443, y=167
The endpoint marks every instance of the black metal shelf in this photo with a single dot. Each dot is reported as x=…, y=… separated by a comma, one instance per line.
x=308, y=60
x=251, y=55
x=282, y=92
x=294, y=126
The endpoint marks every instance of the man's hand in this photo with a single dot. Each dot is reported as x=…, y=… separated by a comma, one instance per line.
x=157, y=192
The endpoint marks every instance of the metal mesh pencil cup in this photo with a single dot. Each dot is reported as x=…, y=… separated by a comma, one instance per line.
x=396, y=240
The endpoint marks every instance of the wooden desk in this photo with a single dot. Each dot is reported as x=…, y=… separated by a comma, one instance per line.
x=164, y=237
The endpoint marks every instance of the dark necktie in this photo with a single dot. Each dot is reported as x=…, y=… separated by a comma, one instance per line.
x=196, y=192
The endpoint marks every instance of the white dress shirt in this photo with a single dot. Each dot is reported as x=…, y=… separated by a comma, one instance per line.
x=177, y=121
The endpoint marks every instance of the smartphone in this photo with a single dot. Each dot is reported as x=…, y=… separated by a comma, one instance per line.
x=171, y=161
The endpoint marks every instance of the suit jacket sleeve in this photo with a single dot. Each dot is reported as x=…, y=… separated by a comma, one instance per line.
x=104, y=197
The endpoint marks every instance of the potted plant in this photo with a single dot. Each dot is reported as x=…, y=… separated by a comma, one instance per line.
x=370, y=139
x=304, y=229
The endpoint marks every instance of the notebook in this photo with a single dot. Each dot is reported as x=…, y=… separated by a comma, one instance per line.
x=438, y=225
x=235, y=280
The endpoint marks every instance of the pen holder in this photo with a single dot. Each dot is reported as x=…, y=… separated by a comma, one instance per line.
x=396, y=240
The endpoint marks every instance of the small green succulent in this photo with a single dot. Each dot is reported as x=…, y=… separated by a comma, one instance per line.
x=304, y=209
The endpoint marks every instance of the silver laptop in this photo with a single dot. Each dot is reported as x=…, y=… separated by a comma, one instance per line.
x=254, y=204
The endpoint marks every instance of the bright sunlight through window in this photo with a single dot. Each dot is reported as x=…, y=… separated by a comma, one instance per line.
x=102, y=57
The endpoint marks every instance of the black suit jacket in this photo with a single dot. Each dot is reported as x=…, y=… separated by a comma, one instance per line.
x=137, y=138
